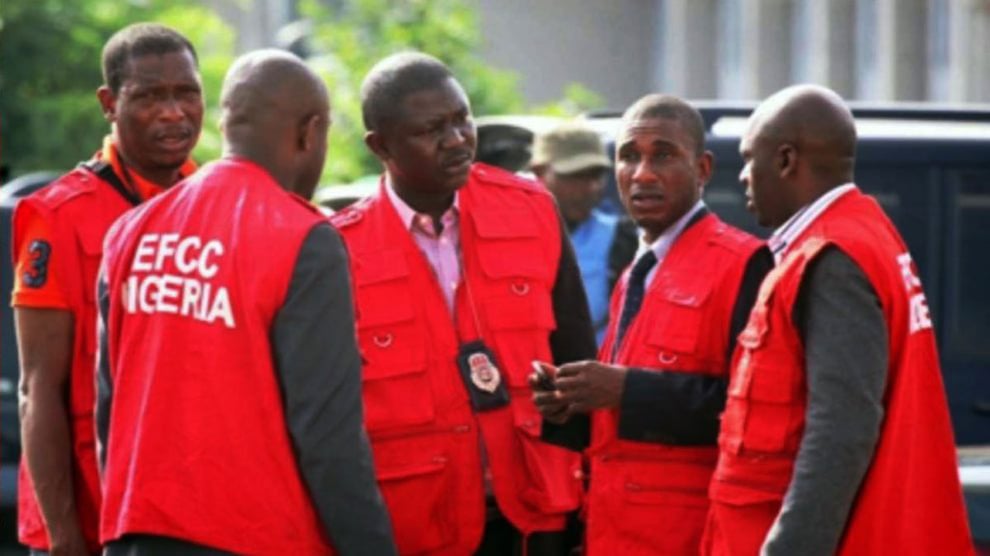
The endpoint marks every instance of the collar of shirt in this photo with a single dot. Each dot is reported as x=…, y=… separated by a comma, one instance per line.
x=144, y=189
x=415, y=221
x=785, y=235
x=661, y=246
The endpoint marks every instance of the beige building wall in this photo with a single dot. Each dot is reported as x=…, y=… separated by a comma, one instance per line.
x=612, y=47
x=879, y=50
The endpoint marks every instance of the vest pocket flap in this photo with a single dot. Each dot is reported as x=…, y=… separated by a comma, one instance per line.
x=526, y=307
x=420, y=491
x=772, y=384
x=688, y=296
x=665, y=482
x=378, y=306
x=502, y=224
x=391, y=361
x=680, y=321
x=513, y=259
x=435, y=465
x=372, y=267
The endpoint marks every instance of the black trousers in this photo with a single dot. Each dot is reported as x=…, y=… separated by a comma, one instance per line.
x=501, y=538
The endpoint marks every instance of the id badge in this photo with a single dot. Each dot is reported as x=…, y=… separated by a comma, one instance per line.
x=482, y=376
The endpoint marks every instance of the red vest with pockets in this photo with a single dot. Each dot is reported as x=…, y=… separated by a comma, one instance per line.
x=198, y=447
x=650, y=498
x=910, y=501
x=424, y=435
x=79, y=207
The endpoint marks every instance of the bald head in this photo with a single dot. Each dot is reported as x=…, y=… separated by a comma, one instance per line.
x=276, y=112
x=818, y=123
x=800, y=143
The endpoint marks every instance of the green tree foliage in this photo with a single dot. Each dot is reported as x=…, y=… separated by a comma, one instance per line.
x=348, y=37
x=50, y=70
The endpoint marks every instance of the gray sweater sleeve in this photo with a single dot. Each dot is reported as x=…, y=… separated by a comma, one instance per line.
x=840, y=320
x=319, y=371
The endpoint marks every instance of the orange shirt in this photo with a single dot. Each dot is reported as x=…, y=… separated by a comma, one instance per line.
x=34, y=284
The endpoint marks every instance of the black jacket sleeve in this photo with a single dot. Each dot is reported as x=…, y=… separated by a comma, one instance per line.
x=573, y=340
x=683, y=408
x=104, y=385
x=319, y=371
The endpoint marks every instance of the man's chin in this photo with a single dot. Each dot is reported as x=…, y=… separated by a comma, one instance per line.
x=453, y=183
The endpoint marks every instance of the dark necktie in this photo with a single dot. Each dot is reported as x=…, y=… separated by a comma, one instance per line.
x=635, y=290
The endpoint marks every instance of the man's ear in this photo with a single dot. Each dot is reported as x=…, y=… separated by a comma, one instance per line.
x=376, y=143
x=787, y=160
x=108, y=103
x=706, y=162
x=308, y=130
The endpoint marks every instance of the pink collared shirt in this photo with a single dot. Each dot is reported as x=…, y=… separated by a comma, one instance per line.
x=441, y=248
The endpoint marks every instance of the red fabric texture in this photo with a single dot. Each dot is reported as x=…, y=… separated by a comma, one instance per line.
x=910, y=500
x=198, y=447
x=424, y=434
x=651, y=498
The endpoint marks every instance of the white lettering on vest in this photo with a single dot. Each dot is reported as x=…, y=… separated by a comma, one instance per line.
x=920, y=317
x=180, y=285
x=145, y=249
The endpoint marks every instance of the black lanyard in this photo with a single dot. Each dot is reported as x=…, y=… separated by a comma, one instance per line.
x=104, y=171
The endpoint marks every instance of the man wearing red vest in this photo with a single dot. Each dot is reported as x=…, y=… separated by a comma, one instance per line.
x=229, y=402
x=152, y=98
x=463, y=277
x=659, y=384
x=836, y=436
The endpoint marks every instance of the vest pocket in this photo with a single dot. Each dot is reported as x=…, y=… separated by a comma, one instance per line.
x=396, y=387
x=415, y=480
x=553, y=471
x=765, y=403
x=675, y=331
x=519, y=323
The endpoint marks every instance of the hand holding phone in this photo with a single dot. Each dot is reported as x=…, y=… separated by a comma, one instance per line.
x=544, y=380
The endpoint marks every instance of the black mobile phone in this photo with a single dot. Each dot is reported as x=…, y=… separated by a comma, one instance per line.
x=544, y=380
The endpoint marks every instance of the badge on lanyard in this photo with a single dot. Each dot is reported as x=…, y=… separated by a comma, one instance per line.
x=482, y=376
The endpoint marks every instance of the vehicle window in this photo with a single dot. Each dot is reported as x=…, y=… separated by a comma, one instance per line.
x=968, y=238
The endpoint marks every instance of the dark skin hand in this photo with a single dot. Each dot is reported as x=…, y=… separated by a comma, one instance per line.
x=44, y=337
x=581, y=387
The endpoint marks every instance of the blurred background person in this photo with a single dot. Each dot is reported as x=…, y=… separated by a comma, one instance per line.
x=572, y=163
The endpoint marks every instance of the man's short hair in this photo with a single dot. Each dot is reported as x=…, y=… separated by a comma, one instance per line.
x=669, y=107
x=133, y=41
x=393, y=79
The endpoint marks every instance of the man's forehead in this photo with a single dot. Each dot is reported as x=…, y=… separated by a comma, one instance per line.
x=149, y=67
x=660, y=129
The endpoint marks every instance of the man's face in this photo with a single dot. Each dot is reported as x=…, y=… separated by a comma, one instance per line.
x=659, y=175
x=158, y=112
x=429, y=147
x=577, y=193
x=758, y=177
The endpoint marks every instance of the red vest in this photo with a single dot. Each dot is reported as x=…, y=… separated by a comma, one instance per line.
x=198, y=448
x=424, y=434
x=910, y=501
x=79, y=207
x=648, y=498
